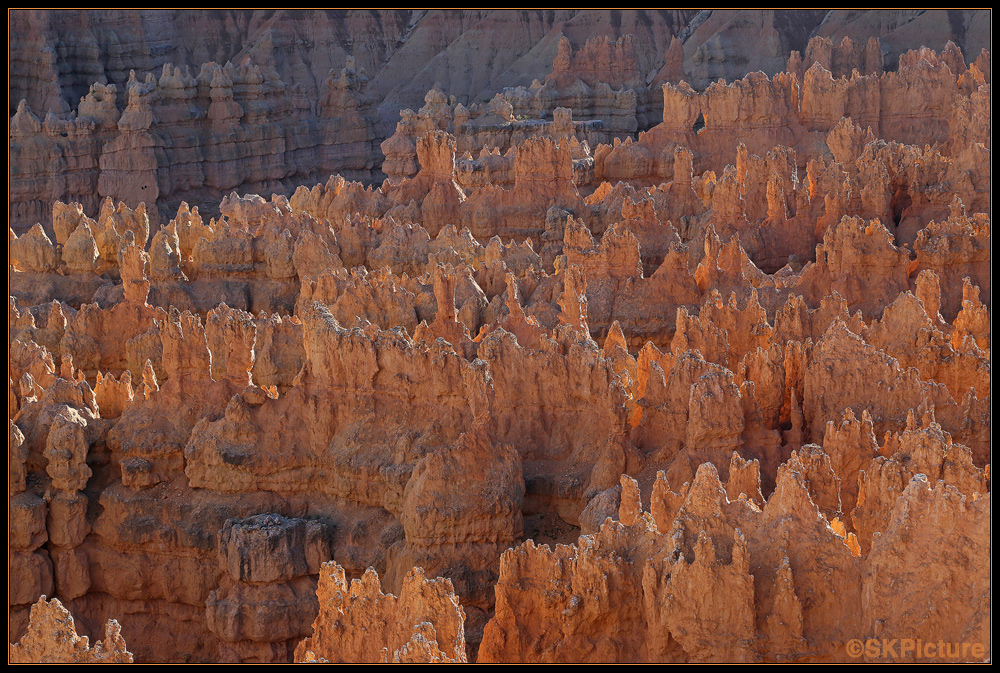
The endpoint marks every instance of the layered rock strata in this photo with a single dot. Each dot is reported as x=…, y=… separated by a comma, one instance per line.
x=564, y=405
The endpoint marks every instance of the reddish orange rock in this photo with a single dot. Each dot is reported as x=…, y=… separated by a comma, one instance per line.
x=357, y=623
x=52, y=639
x=651, y=360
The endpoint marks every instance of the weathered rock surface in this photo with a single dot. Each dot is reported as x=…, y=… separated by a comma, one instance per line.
x=638, y=365
x=52, y=639
x=357, y=623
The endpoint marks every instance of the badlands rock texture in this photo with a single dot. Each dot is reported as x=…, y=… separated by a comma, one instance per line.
x=165, y=106
x=649, y=337
x=52, y=639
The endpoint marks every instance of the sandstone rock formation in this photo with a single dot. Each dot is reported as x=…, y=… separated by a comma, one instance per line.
x=572, y=384
x=267, y=597
x=726, y=580
x=183, y=136
x=52, y=639
x=218, y=96
x=360, y=624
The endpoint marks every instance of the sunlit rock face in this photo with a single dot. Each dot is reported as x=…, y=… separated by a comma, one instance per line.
x=650, y=337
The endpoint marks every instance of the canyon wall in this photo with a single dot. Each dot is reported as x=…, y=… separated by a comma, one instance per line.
x=186, y=137
x=131, y=104
x=717, y=394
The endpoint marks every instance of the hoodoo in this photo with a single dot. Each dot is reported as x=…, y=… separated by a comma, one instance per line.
x=499, y=336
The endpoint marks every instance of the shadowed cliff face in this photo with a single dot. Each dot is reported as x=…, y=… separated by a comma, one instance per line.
x=57, y=55
x=583, y=380
x=267, y=100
